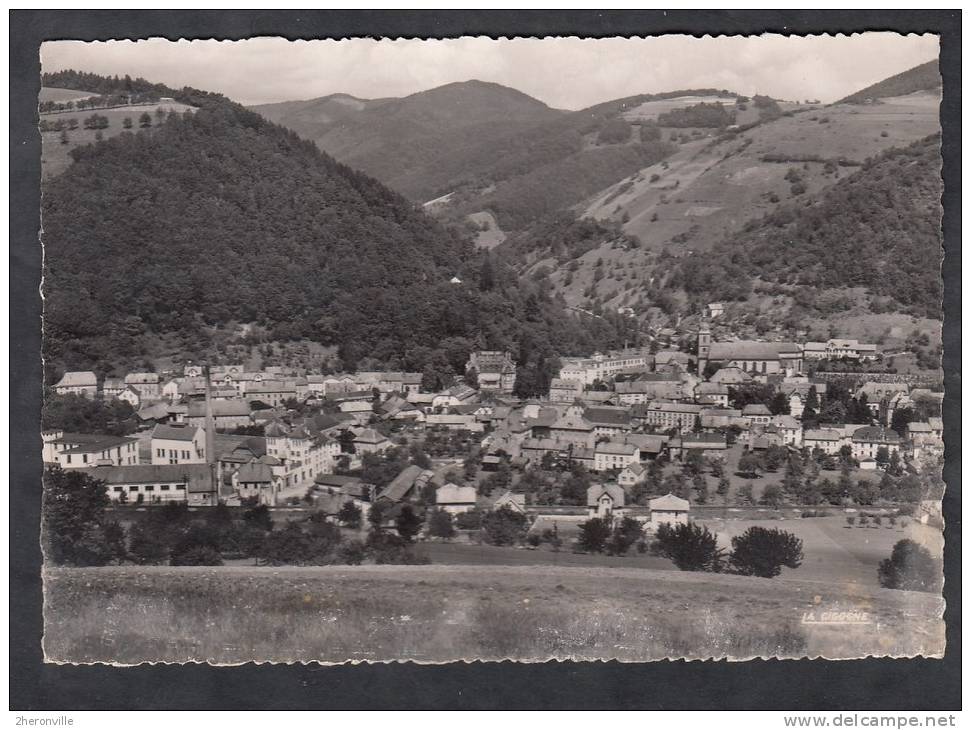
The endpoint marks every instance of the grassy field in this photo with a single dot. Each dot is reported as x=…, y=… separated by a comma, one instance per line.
x=55, y=156
x=229, y=615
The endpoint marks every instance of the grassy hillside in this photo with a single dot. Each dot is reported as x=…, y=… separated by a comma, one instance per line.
x=878, y=228
x=219, y=217
x=130, y=615
x=925, y=77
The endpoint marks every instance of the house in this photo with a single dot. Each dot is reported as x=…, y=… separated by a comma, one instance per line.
x=495, y=370
x=302, y=454
x=837, y=349
x=730, y=376
x=757, y=414
x=147, y=384
x=370, y=441
x=565, y=391
x=715, y=394
x=632, y=475
x=867, y=441
x=111, y=388
x=707, y=444
x=130, y=396
x=827, y=440
x=712, y=419
x=602, y=367
x=226, y=414
x=614, y=455
x=76, y=451
x=255, y=481
x=790, y=430
x=573, y=431
x=667, y=415
x=83, y=383
x=669, y=510
x=272, y=392
x=355, y=407
x=455, y=499
x=671, y=361
x=608, y=421
x=759, y=358
x=715, y=309
x=648, y=387
x=875, y=392
x=796, y=392
x=649, y=445
x=511, y=500
x=605, y=500
x=404, y=486
x=157, y=483
x=180, y=444
x=454, y=422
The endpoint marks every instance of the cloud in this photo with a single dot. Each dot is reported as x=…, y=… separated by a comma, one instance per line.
x=568, y=73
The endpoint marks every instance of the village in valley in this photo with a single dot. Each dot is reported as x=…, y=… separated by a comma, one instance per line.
x=712, y=430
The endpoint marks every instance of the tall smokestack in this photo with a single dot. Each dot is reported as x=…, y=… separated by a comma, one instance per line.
x=210, y=437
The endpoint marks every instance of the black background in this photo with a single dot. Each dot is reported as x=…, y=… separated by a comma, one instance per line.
x=913, y=684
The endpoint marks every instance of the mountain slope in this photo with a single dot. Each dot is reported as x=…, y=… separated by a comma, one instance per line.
x=221, y=217
x=878, y=228
x=404, y=142
x=925, y=77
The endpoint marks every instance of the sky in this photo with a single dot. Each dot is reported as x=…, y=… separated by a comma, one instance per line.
x=566, y=73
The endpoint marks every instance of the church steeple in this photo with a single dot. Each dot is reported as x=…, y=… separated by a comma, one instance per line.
x=704, y=345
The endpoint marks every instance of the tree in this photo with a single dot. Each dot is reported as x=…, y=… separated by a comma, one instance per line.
x=810, y=411
x=764, y=552
x=748, y=465
x=145, y=120
x=594, y=534
x=259, y=517
x=376, y=516
x=772, y=496
x=883, y=456
x=64, y=138
x=440, y=524
x=690, y=546
x=744, y=495
x=289, y=546
x=408, y=523
x=76, y=529
x=504, y=526
x=147, y=543
x=910, y=567
x=349, y=515
x=126, y=123
x=722, y=489
x=700, y=486
x=627, y=531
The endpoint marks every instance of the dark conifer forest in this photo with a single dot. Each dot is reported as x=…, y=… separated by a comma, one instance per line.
x=218, y=216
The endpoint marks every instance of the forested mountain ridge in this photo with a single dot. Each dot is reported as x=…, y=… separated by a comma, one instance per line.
x=412, y=144
x=219, y=217
x=879, y=228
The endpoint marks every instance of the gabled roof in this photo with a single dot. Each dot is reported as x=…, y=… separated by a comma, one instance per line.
x=615, y=491
x=175, y=433
x=821, y=434
x=669, y=503
x=607, y=416
x=220, y=408
x=752, y=350
x=102, y=443
x=756, y=409
x=255, y=472
x=197, y=477
x=77, y=379
x=369, y=436
x=454, y=494
x=399, y=487
x=876, y=434
x=141, y=378
x=616, y=448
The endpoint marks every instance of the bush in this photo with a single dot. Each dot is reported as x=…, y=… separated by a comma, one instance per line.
x=850, y=520
x=350, y=516
x=440, y=524
x=690, y=546
x=469, y=520
x=197, y=555
x=594, y=534
x=504, y=527
x=352, y=552
x=763, y=552
x=910, y=567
